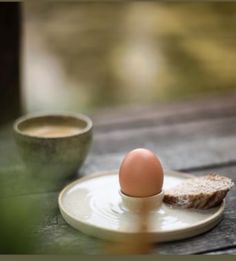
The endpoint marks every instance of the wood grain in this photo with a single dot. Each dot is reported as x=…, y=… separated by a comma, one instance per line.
x=132, y=117
x=224, y=251
x=180, y=146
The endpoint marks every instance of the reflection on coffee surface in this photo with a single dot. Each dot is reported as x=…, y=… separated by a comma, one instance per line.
x=49, y=131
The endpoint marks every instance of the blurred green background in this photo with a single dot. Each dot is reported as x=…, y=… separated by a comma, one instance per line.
x=84, y=56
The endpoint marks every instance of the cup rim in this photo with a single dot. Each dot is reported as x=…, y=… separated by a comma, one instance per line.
x=77, y=116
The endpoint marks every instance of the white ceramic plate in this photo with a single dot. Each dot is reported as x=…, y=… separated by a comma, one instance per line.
x=94, y=206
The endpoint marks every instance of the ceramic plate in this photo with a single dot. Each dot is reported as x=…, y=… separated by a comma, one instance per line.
x=94, y=206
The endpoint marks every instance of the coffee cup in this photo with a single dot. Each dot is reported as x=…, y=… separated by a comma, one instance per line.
x=53, y=146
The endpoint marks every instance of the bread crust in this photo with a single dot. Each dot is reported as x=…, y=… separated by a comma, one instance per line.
x=200, y=193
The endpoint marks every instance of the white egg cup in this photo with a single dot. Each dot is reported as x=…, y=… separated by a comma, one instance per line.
x=135, y=203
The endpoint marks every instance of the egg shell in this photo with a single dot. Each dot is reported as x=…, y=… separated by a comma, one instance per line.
x=141, y=174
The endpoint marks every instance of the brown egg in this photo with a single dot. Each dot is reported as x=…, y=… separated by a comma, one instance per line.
x=141, y=174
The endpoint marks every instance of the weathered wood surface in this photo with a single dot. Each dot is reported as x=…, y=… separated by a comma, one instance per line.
x=197, y=137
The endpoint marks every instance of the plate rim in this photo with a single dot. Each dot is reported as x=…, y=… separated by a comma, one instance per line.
x=207, y=223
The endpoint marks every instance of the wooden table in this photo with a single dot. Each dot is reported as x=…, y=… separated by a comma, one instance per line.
x=196, y=137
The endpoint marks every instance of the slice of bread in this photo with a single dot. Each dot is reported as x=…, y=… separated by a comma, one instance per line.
x=200, y=192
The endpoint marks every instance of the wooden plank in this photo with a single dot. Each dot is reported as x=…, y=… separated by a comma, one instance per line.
x=230, y=251
x=130, y=117
x=180, y=146
x=163, y=136
x=65, y=240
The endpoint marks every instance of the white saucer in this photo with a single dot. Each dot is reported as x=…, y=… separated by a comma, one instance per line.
x=94, y=206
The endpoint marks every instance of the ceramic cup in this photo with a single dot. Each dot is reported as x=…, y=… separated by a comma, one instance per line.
x=53, y=158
